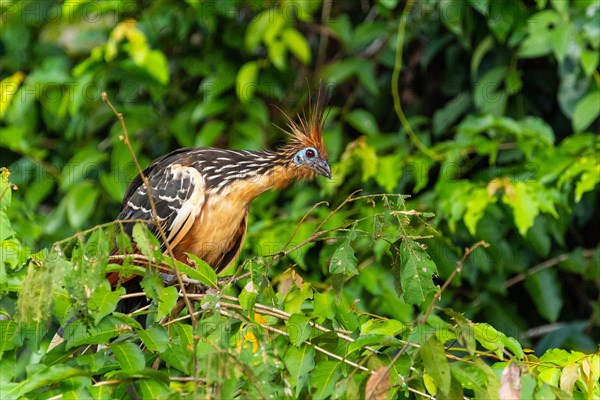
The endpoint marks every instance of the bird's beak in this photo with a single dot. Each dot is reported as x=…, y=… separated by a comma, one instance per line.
x=322, y=167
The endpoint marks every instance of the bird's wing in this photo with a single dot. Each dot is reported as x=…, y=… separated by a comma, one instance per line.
x=178, y=191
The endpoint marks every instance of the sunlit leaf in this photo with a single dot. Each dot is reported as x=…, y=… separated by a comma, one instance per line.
x=299, y=361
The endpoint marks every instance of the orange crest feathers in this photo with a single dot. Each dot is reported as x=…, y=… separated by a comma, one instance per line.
x=308, y=130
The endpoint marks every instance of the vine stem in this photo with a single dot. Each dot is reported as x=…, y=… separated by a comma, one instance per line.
x=395, y=84
x=162, y=234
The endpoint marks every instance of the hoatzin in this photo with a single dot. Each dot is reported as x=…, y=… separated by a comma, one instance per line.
x=201, y=194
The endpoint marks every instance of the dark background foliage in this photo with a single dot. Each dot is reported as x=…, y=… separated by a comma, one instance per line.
x=500, y=138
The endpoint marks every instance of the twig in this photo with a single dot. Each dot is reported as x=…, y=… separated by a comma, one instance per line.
x=318, y=348
x=159, y=227
x=544, y=265
x=316, y=233
x=447, y=282
x=301, y=222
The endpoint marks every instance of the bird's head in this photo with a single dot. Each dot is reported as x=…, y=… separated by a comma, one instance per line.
x=306, y=152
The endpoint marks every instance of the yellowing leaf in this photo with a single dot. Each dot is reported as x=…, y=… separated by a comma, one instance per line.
x=569, y=376
x=8, y=88
x=524, y=205
x=476, y=205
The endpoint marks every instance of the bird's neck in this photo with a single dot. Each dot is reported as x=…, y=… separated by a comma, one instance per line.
x=276, y=173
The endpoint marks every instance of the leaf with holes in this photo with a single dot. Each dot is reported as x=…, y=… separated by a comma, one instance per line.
x=416, y=273
x=343, y=261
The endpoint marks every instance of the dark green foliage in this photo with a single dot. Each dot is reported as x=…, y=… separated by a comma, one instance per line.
x=499, y=143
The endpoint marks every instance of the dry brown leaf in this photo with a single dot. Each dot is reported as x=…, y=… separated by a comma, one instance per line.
x=510, y=384
x=381, y=378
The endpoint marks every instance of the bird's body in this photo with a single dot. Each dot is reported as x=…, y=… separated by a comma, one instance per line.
x=201, y=195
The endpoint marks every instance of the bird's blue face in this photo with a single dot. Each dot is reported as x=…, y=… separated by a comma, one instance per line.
x=310, y=157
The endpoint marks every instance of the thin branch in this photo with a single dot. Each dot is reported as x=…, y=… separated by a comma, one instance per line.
x=457, y=270
x=159, y=227
x=542, y=266
x=318, y=348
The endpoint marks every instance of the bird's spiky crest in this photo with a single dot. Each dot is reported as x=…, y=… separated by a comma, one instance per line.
x=307, y=131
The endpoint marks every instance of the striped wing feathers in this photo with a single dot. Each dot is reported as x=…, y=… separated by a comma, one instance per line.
x=179, y=193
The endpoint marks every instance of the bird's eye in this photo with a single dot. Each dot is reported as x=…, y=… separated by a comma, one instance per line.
x=310, y=153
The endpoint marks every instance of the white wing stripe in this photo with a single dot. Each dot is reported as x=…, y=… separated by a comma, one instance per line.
x=191, y=207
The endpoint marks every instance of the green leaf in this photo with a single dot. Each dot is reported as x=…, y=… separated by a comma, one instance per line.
x=155, y=63
x=81, y=202
x=470, y=376
x=545, y=291
x=389, y=172
x=45, y=377
x=129, y=356
x=201, y=272
x=84, y=163
x=324, y=377
x=5, y=189
x=148, y=245
x=489, y=337
x=178, y=353
x=248, y=296
x=245, y=82
x=587, y=181
x=94, y=361
x=436, y=364
x=539, y=39
x=452, y=15
x=104, y=301
x=416, y=273
x=299, y=361
x=152, y=389
x=343, y=261
x=8, y=331
x=6, y=230
x=77, y=334
x=488, y=96
x=363, y=121
x=589, y=61
x=156, y=338
x=167, y=300
x=387, y=327
x=586, y=111
x=298, y=328
x=444, y=117
x=256, y=29
x=277, y=54
x=324, y=306
x=296, y=44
